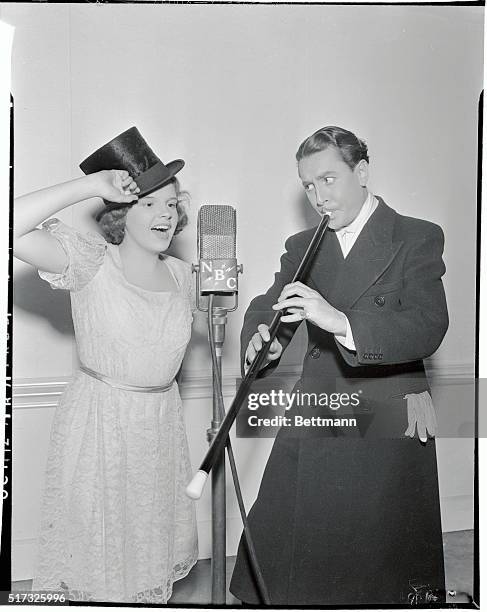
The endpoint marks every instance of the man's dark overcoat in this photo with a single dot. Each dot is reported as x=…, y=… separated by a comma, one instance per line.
x=352, y=515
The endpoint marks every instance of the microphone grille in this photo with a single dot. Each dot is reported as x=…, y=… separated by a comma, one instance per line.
x=217, y=230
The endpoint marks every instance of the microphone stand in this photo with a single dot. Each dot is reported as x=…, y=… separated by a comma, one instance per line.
x=217, y=318
x=216, y=322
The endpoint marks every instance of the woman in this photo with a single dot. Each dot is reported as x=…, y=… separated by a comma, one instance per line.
x=116, y=524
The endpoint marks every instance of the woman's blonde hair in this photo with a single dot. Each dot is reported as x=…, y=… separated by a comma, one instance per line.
x=112, y=221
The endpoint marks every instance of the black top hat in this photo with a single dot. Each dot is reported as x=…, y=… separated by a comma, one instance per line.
x=129, y=151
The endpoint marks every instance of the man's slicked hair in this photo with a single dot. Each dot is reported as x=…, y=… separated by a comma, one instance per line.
x=351, y=149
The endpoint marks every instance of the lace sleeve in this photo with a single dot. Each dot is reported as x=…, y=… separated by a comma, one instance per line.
x=192, y=291
x=184, y=275
x=189, y=284
x=85, y=253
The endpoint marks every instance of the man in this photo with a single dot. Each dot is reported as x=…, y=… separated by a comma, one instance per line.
x=351, y=515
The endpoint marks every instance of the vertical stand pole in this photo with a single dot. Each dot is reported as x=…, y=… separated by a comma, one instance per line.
x=218, y=562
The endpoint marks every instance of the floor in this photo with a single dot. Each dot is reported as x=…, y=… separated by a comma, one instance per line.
x=196, y=587
x=458, y=551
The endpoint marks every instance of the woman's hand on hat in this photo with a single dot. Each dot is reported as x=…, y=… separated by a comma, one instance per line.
x=116, y=186
x=301, y=302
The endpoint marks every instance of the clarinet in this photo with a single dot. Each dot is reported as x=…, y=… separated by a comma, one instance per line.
x=195, y=487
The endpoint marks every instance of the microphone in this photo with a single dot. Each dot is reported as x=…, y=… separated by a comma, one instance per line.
x=217, y=270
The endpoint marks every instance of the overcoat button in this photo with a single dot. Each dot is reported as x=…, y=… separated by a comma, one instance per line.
x=380, y=300
x=315, y=353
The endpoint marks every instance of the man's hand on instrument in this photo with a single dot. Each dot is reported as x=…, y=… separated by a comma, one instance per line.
x=257, y=342
x=301, y=302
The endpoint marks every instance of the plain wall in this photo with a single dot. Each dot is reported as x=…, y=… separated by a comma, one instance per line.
x=233, y=90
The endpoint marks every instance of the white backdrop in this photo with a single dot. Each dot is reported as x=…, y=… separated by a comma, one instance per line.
x=233, y=90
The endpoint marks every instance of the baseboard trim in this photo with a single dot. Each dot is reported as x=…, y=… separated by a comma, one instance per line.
x=457, y=512
x=23, y=555
x=45, y=392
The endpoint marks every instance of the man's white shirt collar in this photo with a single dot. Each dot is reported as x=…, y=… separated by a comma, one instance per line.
x=348, y=235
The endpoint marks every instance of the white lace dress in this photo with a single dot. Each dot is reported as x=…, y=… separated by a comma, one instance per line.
x=116, y=524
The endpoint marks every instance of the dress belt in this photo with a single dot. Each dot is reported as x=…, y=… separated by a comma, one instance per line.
x=120, y=385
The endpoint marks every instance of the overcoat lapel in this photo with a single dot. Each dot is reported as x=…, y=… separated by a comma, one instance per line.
x=372, y=253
